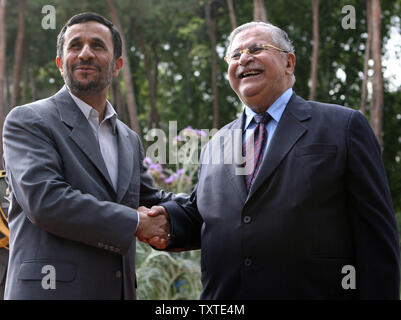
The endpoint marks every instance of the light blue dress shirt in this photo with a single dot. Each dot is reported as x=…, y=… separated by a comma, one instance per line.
x=275, y=110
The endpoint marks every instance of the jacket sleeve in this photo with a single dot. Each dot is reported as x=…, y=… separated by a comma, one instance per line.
x=375, y=235
x=186, y=224
x=35, y=174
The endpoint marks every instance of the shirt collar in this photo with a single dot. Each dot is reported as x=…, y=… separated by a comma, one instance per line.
x=110, y=114
x=275, y=110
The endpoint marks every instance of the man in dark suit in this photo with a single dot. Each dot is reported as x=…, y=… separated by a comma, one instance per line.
x=76, y=179
x=313, y=217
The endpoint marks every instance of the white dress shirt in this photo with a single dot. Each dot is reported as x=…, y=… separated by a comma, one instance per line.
x=105, y=134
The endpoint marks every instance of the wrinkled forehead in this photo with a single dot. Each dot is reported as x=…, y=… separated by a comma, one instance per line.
x=247, y=37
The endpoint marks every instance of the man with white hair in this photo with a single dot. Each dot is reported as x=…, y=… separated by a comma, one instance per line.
x=313, y=218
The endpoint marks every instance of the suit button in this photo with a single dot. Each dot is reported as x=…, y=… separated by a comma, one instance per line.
x=247, y=219
x=247, y=262
x=118, y=274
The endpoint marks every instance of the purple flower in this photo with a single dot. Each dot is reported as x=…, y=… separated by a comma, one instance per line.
x=189, y=130
x=147, y=161
x=170, y=179
x=178, y=138
x=156, y=167
x=201, y=133
x=180, y=172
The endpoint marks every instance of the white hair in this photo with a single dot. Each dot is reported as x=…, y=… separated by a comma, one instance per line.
x=279, y=37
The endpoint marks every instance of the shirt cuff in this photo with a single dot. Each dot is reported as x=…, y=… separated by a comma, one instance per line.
x=137, y=225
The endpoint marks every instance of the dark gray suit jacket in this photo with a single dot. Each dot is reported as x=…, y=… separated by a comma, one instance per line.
x=64, y=211
x=320, y=202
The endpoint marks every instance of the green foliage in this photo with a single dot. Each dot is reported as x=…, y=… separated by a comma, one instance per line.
x=167, y=275
x=185, y=150
x=392, y=143
x=172, y=275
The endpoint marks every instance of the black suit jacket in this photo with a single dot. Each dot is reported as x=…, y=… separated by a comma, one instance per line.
x=320, y=202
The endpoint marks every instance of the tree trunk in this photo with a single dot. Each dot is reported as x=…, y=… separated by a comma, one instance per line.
x=151, y=77
x=34, y=95
x=231, y=13
x=25, y=73
x=192, y=113
x=29, y=80
x=154, y=115
x=120, y=105
x=19, y=45
x=377, y=114
x=7, y=88
x=2, y=72
x=211, y=23
x=126, y=72
x=315, y=53
x=368, y=48
x=259, y=11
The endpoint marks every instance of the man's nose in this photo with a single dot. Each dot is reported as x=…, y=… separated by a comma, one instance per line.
x=86, y=53
x=245, y=58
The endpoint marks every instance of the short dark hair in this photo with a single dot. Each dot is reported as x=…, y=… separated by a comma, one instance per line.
x=86, y=17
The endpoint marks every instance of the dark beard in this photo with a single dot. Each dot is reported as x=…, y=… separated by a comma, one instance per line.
x=91, y=88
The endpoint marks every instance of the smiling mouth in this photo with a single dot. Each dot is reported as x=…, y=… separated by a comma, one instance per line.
x=250, y=73
x=86, y=68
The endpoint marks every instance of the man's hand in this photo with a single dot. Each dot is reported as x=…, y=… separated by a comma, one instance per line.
x=157, y=210
x=154, y=212
x=154, y=227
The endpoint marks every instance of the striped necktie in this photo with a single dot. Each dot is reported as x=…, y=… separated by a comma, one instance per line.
x=259, y=142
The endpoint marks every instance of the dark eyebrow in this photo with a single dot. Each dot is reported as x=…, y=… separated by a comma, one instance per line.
x=75, y=39
x=98, y=40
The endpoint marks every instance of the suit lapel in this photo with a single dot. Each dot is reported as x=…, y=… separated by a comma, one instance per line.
x=288, y=132
x=232, y=150
x=81, y=132
x=126, y=160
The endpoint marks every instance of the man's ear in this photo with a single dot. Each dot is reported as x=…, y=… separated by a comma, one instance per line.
x=118, y=64
x=59, y=63
x=290, y=63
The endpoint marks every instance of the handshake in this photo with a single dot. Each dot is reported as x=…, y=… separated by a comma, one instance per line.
x=154, y=226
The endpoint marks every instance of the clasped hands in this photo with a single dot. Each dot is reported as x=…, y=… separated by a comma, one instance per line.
x=154, y=226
